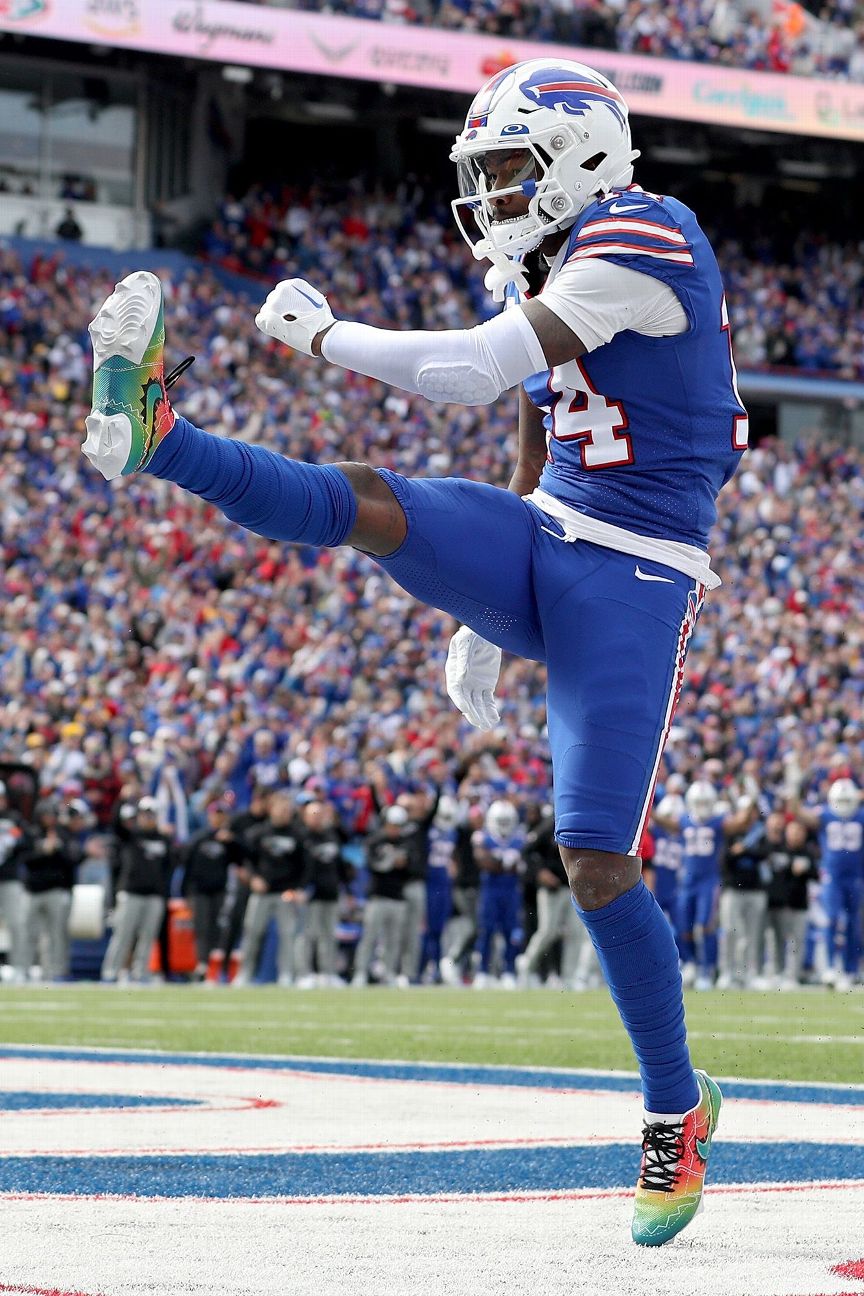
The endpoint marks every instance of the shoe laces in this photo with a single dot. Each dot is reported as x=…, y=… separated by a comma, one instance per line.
x=663, y=1148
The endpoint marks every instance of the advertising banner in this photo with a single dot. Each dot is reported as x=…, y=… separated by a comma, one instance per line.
x=292, y=41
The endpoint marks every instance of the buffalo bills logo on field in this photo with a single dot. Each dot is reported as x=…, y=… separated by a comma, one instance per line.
x=555, y=87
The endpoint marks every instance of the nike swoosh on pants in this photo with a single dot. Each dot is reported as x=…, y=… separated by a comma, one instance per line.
x=646, y=576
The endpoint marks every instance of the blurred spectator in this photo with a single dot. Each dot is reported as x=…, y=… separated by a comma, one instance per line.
x=557, y=920
x=329, y=872
x=744, y=902
x=387, y=859
x=207, y=859
x=68, y=228
x=12, y=897
x=791, y=860
x=461, y=932
x=278, y=876
x=145, y=864
x=787, y=37
x=49, y=858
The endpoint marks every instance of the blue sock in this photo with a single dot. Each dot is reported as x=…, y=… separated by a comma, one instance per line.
x=637, y=953
x=275, y=497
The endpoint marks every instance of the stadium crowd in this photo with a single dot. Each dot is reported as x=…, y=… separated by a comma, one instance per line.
x=174, y=683
x=379, y=254
x=826, y=39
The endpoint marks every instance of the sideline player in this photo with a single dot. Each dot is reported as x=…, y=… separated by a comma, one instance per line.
x=704, y=828
x=840, y=825
x=594, y=561
x=498, y=849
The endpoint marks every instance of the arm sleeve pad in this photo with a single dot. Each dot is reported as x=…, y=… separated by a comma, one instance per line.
x=459, y=366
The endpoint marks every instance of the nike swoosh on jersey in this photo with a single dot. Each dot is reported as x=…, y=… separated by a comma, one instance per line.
x=640, y=575
x=617, y=210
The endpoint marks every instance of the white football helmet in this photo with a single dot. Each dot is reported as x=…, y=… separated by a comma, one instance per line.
x=566, y=128
x=448, y=813
x=501, y=820
x=671, y=806
x=701, y=801
x=844, y=798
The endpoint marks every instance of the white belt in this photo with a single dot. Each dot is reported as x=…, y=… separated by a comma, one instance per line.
x=672, y=553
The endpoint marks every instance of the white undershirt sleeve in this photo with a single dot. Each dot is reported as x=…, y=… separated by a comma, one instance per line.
x=597, y=299
x=462, y=366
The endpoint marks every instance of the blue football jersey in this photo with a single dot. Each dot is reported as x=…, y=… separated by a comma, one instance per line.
x=702, y=848
x=442, y=843
x=643, y=432
x=842, y=844
x=507, y=853
x=668, y=849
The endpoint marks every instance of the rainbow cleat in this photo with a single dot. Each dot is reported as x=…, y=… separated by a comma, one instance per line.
x=131, y=412
x=672, y=1174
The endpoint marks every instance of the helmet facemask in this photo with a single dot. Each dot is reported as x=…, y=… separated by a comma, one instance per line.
x=574, y=156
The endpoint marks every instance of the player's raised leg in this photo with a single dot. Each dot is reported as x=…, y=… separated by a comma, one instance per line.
x=440, y=540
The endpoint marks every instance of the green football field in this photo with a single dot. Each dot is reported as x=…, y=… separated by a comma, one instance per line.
x=812, y=1035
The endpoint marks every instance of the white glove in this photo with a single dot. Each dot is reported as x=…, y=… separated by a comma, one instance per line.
x=294, y=313
x=471, y=673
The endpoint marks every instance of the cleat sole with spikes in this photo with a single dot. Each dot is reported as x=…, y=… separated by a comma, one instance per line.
x=131, y=412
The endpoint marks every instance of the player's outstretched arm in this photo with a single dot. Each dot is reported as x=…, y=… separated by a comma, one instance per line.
x=461, y=366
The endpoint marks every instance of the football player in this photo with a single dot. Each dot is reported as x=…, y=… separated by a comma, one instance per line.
x=498, y=848
x=840, y=825
x=595, y=560
x=703, y=828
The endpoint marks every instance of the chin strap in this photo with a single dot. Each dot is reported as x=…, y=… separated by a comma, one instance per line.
x=503, y=270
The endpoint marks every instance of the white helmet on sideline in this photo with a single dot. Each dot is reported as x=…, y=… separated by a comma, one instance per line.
x=567, y=129
x=501, y=819
x=449, y=811
x=701, y=800
x=844, y=798
x=671, y=806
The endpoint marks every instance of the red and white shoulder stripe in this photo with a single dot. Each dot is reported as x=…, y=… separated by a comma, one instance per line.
x=631, y=236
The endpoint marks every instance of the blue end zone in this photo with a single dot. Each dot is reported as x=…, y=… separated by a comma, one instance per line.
x=410, y=1174
x=510, y=1077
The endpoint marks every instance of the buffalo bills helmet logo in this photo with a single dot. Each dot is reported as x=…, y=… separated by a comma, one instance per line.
x=575, y=93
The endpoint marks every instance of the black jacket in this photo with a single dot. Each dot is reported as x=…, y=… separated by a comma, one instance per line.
x=277, y=856
x=49, y=868
x=145, y=861
x=387, y=858
x=747, y=870
x=467, y=870
x=206, y=862
x=328, y=867
x=541, y=852
x=788, y=887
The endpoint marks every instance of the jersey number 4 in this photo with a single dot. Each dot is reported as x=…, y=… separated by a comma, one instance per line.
x=593, y=420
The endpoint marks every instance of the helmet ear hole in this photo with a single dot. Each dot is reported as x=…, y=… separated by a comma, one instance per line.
x=594, y=162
